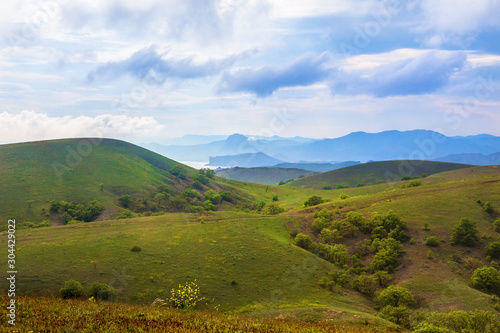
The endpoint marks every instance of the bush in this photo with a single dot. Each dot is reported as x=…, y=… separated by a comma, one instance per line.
x=178, y=171
x=313, y=201
x=303, y=241
x=186, y=297
x=343, y=196
x=135, y=248
x=213, y=196
x=387, y=254
x=459, y=321
x=273, y=208
x=124, y=200
x=226, y=196
x=488, y=207
x=126, y=214
x=329, y=236
x=486, y=279
x=496, y=225
x=365, y=284
x=101, y=291
x=326, y=188
x=432, y=241
x=72, y=289
x=399, y=315
x=413, y=183
x=465, y=233
x=493, y=250
x=395, y=296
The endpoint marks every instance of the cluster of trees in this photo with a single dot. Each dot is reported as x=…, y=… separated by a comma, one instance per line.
x=77, y=212
x=99, y=291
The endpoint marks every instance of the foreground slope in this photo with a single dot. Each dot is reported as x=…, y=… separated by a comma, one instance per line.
x=375, y=172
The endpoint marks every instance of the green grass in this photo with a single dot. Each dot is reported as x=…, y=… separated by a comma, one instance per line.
x=374, y=172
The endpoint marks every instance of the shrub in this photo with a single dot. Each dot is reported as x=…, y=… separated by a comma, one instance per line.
x=486, y=279
x=226, y=196
x=326, y=188
x=493, y=250
x=384, y=279
x=413, y=183
x=430, y=254
x=135, y=248
x=343, y=196
x=313, y=201
x=386, y=259
x=201, y=178
x=178, y=171
x=496, y=225
x=186, y=296
x=432, y=241
x=213, y=196
x=196, y=185
x=275, y=197
x=273, y=208
x=488, y=207
x=209, y=206
x=395, y=296
x=101, y=291
x=465, y=233
x=459, y=321
x=207, y=172
x=126, y=214
x=329, y=236
x=358, y=220
x=303, y=241
x=365, y=284
x=399, y=315
x=72, y=289
x=124, y=200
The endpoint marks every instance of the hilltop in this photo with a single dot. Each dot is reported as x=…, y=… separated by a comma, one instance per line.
x=375, y=173
x=83, y=170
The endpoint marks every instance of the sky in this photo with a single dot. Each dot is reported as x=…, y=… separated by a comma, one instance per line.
x=148, y=70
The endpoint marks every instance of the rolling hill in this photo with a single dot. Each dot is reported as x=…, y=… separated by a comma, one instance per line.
x=263, y=175
x=373, y=173
x=82, y=170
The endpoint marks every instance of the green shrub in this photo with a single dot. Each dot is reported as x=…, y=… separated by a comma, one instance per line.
x=135, y=248
x=178, y=171
x=384, y=279
x=399, y=315
x=395, y=296
x=488, y=207
x=313, y=201
x=432, y=241
x=201, y=178
x=365, y=284
x=329, y=236
x=303, y=241
x=326, y=188
x=124, y=200
x=459, y=321
x=213, y=196
x=186, y=296
x=486, y=279
x=72, y=289
x=126, y=214
x=343, y=196
x=226, y=196
x=101, y=291
x=387, y=254
x=465, y=233
x=493, y=250
x=273, y=208
x=496, y=225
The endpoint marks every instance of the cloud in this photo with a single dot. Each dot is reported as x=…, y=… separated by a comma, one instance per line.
x=30, y=126
x=414, y=76
x=149, y=64
x=263, y=81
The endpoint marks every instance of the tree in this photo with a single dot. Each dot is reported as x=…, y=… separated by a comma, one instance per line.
x=72, y=289
x=493, y=250
x=488, y=207
x=313, y=201
x=178, y=171
x=101, y=291
x=273, y=208
x=207, y=172
x=496, y=225
x=125, y=200
x=160, y=197
x=303, y=241
x=395, y=296
x=432, y=241
x=465, y=233
x=365, y=284
x=486, y=279
x=213, y=196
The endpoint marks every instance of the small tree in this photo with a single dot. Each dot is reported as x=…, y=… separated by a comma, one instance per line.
x=395, y=296
x=303, y=241
x=313, y=201
x=273, y=208
x=125, y=200
x=432, y=241
x=101, y=291
x=488, y=207
x=72, y=289
x=486, y=279
x=493, y=250
x=365, y=284
x=465, y=233
x=496, y=225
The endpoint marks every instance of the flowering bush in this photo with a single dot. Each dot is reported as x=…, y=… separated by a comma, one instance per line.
x=186, y=297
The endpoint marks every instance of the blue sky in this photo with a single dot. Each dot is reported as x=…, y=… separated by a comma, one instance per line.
x=144, y=71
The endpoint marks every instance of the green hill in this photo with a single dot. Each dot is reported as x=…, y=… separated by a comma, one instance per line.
x=83, y=170
x=374, y=173
x=263, y=175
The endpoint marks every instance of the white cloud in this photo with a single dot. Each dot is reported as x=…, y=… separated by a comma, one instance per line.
x=30, y=126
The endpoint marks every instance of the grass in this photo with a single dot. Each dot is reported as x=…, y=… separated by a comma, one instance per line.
x=57, y=315
x=263, y=175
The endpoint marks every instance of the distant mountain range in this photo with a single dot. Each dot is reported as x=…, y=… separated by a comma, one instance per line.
x=358, y=146
x=249, y=160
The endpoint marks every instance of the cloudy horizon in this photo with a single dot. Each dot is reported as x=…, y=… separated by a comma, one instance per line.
x=161, y=69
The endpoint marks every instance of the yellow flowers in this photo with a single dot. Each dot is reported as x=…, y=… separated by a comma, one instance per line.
x=186, y=297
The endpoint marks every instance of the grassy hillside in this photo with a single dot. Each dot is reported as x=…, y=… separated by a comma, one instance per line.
x=375, y=172
x=263, y=175
x=82, y=170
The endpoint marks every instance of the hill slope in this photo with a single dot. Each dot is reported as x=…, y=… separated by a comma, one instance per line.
x=375, y=172
x=268, y=176
x=82, y=170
